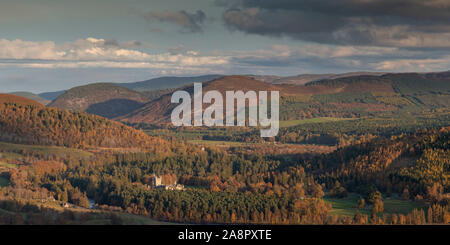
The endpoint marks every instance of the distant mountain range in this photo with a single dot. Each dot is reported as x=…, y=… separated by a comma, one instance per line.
x=303, y=96
x=352, y=96
x=306, y=78
x=161, y=83
x=158, y=111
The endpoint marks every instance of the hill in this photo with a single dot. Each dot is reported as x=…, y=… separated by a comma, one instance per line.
x=412, y=161
x=161, y=83
x=306, y=78
x=26, y=123
x=32, y=96
x=265, y=78
x=158, y=111
x=19, y=100
x=103, y=99
x=346, y=97
x=52, y=95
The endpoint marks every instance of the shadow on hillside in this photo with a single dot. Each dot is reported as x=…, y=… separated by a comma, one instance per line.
x=114, y=108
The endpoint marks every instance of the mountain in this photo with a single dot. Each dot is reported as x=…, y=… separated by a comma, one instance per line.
x=266, y=78
x=25, y=121
x=353, y=96
x=158, y=111
x=306, y=78
x=32, y=96
x=52, y=95
x=104, y=99
x=161, y=83
x=403, y=83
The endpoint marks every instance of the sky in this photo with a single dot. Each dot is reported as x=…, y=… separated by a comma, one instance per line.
x=50, y=45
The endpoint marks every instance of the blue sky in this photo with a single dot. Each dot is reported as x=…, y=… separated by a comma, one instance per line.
x=49, y=45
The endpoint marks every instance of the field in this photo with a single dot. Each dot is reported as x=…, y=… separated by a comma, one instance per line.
x=126, y=219
x=265, y=147
x=50, y=150
x=7, y=165
x=291, y=123
x=347, y=206
x=219, y=143
x=10, y=155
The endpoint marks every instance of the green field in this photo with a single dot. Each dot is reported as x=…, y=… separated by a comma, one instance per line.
x=126, y=219
x=131, y=219
x=10, y=156
x=292, y=123
x=347, y=206
x=50, y=150
x=217, y=143
x=7, y=165
x=235, y=143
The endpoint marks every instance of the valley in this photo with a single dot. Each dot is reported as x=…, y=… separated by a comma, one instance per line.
x=359, y=149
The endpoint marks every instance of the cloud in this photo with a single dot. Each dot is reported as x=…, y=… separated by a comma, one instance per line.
x=189, y=22
x=277, y=59
x=414, y=64
x=18, y=49
x=393, y=23
x=97, y=52
x=81, y=49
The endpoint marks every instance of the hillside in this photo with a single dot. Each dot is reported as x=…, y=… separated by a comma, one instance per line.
x=51, y=95
x=26, y=122
x=265, y=78
x=161, y=83
x=15, y=99
x=294, y=98
x=306, y=78
x=32, y=96
x=103, y=99
x=158, y=111
x=412, y=161
x=349, y=97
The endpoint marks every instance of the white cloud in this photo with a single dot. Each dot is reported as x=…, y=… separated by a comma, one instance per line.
x=414, y=64
x=18, y=49
x=100, y=53
x=95, y=52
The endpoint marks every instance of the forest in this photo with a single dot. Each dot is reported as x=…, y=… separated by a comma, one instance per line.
x=68, y=167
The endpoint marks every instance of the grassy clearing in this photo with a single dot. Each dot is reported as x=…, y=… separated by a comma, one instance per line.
x=11, y=156
x=292, y=123
x=7, y=165
x=235, y=143
x=397, y=205
x=344, y=206
x=347, y=206
x=50, y=150
x=3, y=182
x=217, y=143
x=140, y=220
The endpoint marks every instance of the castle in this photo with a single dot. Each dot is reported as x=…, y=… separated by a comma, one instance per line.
x=157, y=182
